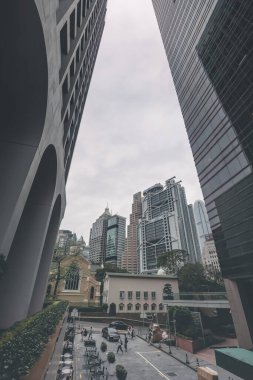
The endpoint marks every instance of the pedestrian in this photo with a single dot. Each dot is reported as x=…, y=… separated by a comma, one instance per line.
x=129, y=331
x=125, y=343
x=132, y=332
x=82, y=333
x=90, y=333
x=120, y=346
x=149, y=336
x=85, y=333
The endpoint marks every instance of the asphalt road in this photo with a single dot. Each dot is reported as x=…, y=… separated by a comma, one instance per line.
x=142, y=361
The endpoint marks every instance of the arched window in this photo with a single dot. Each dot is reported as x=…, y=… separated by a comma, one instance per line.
x=72, y=278
x=129, y=307
x=138, y=307
x=145, y=306
x=121, y=306
x=160, y=306
x=167, y=292
x=153, y=306
x=92, y=291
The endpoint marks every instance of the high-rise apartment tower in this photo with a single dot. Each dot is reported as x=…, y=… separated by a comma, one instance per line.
x=209, y=45
x=130, y=259
x=202, y=222
x=47, y=59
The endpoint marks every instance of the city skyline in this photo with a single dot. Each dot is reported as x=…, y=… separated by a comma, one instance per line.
x=129, y=122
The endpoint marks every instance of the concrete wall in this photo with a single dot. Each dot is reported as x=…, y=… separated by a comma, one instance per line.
x=113, y=286
x=34, y=157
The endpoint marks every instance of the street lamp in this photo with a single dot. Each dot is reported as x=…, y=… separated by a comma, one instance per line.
x=175, y=331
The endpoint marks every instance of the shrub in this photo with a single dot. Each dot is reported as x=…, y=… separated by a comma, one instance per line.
x=191, y=332
x=90, y=343
x=23, y=343
x=111, y=357
x=103, y=347
x=121, y=372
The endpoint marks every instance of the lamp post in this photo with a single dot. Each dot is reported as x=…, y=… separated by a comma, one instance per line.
x=175, y=331
x=168, y=320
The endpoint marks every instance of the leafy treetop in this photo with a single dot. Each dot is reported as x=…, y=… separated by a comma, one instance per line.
x=172, y=261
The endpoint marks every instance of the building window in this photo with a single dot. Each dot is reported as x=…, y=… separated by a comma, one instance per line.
x=160, y=306
x=138, y=295
x=121, y=294
x=138, y=307
x=72, y=278
x=121, y=306
x=153, y=306
x=130, y=295
x=145, y=295
x=153, y=295
x=129, y=307
x=145, y=306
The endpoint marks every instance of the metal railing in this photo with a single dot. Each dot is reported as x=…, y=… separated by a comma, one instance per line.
x=207, y=296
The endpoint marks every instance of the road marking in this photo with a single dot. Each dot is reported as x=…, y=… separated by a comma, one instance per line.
x=152, y=365
x=149, y=352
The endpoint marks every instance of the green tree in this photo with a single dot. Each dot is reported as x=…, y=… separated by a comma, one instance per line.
x=193, y=278
x=172, y=261
x=57, y=275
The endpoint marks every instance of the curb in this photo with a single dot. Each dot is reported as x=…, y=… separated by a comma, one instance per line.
x=174, y=357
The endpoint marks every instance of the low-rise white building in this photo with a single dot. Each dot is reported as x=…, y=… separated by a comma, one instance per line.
x=132, y=293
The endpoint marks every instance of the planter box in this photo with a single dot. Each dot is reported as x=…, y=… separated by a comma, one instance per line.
x=189, y=345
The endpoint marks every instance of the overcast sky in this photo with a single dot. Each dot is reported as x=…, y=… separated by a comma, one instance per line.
x=132, y=133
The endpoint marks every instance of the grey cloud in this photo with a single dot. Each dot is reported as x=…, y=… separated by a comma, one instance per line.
x=132, y=132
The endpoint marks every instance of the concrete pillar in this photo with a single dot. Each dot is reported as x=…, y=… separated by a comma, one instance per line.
x=39, y=290
x=238, y=315
x=16, y=286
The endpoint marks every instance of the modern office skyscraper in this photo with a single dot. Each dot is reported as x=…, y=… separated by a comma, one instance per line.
x=202, y=222
x=166, y=225
x=47, y=59
x=209, y=45
x=130, y=260
x=115, y=240
x=97, y=241
x=64, y=240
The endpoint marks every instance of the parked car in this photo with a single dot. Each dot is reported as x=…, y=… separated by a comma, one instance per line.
x=119, y=325
x=110, y=333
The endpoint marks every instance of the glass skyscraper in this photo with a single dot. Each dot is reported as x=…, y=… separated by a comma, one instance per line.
x=167, y=224
x=209, y=46
x=115, y=240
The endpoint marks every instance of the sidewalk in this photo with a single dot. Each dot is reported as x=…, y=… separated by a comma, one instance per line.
x=193, y=360
x=56, y=357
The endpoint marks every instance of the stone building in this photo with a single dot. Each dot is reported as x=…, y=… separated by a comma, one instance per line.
x=79, y=285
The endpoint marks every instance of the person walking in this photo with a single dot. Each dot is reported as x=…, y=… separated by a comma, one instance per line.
x=125, y=343
x=120, y=346
x=132, y=332
x=90, y=333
